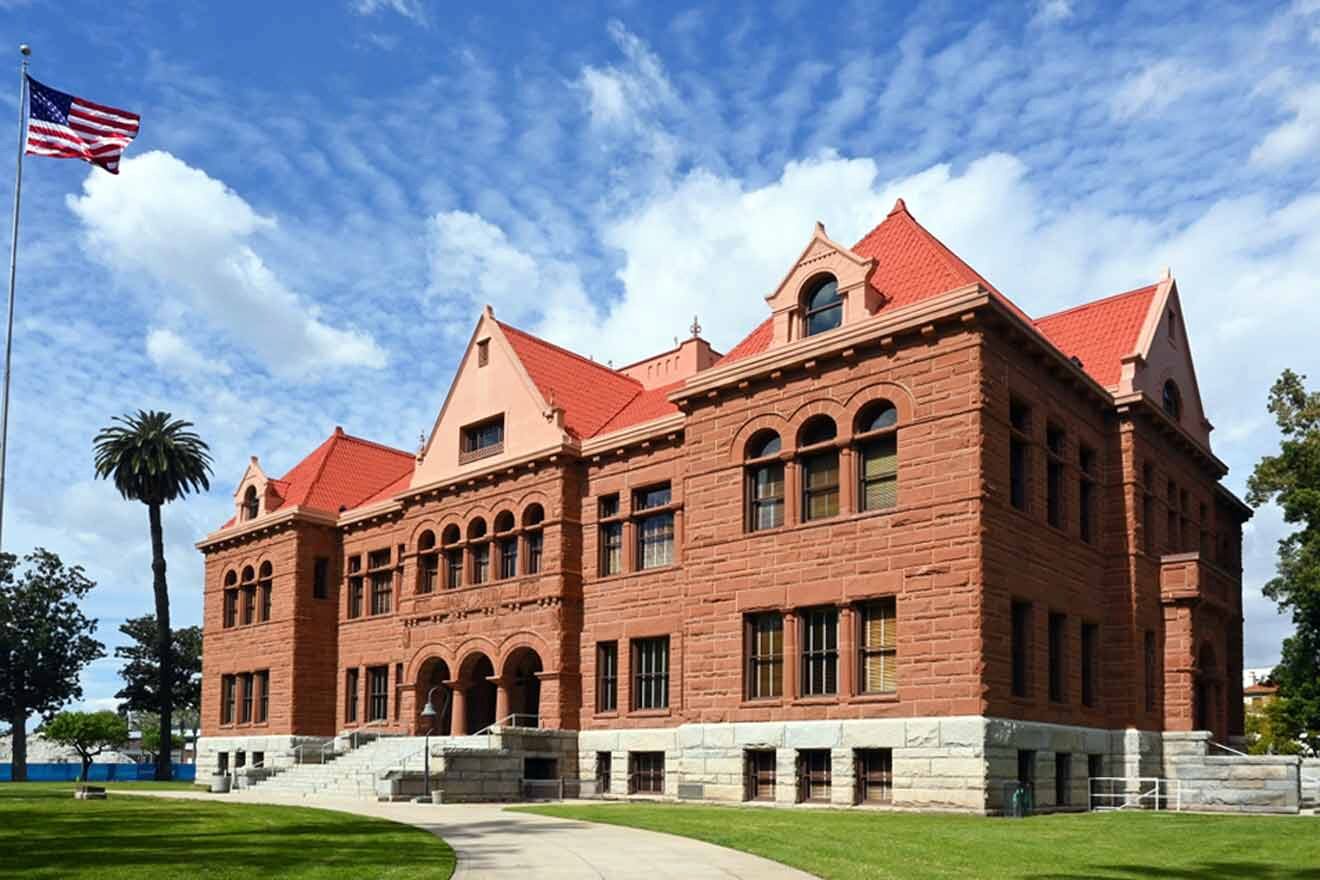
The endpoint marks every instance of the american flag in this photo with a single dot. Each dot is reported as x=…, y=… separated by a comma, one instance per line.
x=66, y=127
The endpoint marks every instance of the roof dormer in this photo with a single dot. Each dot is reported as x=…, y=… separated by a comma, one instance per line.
x=825, y=289
x=256, y=494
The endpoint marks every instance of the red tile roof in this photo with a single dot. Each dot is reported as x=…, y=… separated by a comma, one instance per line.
x=754, y=343
x=1100, y=333
x=343, y=472
x=649, y=404
x=590, y=393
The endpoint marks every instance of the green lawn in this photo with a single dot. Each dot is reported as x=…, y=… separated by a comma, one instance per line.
x=45, y=833
x=916, y=846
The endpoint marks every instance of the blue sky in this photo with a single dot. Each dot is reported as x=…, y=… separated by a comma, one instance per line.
x=323, y=196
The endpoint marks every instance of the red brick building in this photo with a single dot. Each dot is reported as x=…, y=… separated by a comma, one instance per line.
x=903, y=542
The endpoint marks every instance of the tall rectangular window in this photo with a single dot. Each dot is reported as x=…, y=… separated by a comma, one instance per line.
x=877, y=647
x=382, y=584
x=604, y=762
x=249, y=604
x=1152, y=671
x=453, y=569
x=1086, y=494
x=1019, y=455
x=814, y=775
x=226, y=699
x=1026, y=766
x=878, y=474
x=765, y=655
x=611, y=536
x=1058, y=657
x=481, y=440
x=1090, y=662
x=655, y=531
x=355, y=590
x=245, y=708
x=509, y=558
x=820, y=485
x=231, y=608
x=759, y=774
x=351, y=685
x=820, y=652
x=480, y=563
x=320, y=578
x=765, y=496
x=1054, y=451
x=266, y=597
x=263, y=696
x=1062, y=779
x=1021, y=637
x=607, y=676
x=650, y=673
x=874, y=769
x=534, y=545
x=378, y=692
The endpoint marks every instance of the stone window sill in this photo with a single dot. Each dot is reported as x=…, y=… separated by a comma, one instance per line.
x=650, y=713
x=762, y=703
x=875, y=698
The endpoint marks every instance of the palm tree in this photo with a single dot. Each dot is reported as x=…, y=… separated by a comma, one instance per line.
x=155, y=458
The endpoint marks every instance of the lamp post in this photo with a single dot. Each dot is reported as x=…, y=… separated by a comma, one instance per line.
x=429, y=714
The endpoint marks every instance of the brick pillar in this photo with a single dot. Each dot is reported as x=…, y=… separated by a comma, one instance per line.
x=501, y=697
x=790, y=655
x=847, y=650
x=458, y=714
x=792, y=493
x=847, y=485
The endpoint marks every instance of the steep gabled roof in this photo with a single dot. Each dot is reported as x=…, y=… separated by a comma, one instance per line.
x=650, y=404
x=343, y=471
x=1100, y=333
x=590, y=394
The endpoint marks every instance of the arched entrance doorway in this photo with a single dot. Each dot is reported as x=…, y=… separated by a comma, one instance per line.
x=524, y=688
x=478, y=692
x=1206, y=694
x=434, y=674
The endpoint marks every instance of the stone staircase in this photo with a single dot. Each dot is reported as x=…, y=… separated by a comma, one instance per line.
x=354, y=773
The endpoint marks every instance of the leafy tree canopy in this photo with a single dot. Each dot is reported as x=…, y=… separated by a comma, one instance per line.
x=141, y=673
x=1291, y=479
x=87, y=733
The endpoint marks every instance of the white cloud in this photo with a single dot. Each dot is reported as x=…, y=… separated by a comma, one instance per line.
x=625, y=97
x=164, y=220
x=1052, y=11
x=1156, y=87
x=411, y=9
x=172, y=353
x=1296, y=138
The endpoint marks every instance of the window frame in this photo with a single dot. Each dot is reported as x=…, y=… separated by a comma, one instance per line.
x=819, y=651
x=1019, y=454
x=815, y=776
x=887, y=607
x=228, y=698
x=759, y=767
x=874, y=775
x=476, y=443
x=759, y=648
x=657, y=549
x=1056, y=445
x=607, y=676
x=809, y=312
x=380, y=572
x=352, y=685
x=1090, y=650
x=378, y=698
x=650, y=674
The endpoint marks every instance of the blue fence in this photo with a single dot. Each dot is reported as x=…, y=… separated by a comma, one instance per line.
x=98, y=773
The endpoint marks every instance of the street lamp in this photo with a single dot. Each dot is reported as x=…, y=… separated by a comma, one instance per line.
x=429, y=714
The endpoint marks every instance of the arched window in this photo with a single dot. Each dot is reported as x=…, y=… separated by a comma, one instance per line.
x=818, y=458
x=450, y=537
x=230, y=611
x=507, y=546
x=479, y=551
x=504, y=521
x=428, y=562
x=822, y=306
x=249, y=595
x=876, y=434
x=533, y=516
x=251, y=504
x=264, y=588
x=765, y=482
x=1172, y=400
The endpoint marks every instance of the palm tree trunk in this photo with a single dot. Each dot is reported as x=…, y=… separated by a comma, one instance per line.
x=18, y=755
x=164, y=644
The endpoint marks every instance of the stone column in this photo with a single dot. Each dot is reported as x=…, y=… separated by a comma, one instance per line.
x=458, y=711
x=847, y=483
x=847, y=650
x=501, y=697
x=790, y=655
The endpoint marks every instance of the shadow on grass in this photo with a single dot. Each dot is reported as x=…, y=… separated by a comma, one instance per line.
x=1201, y=871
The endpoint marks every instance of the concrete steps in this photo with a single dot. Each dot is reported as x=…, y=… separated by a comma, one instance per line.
x=355, y=773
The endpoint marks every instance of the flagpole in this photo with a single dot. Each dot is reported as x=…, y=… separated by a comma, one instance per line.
x=25, y=50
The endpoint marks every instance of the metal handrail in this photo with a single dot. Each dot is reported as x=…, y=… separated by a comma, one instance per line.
x=332, y=745
x=1227, y=749
x=513, y=722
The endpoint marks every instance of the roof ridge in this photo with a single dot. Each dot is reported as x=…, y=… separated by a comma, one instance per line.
x=573, y=354
x=1096, y=302
x=325, y=444
x=627, y=403
x=378, y=445
x=946, y=253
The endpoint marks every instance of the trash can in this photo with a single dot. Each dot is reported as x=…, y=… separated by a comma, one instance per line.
x=220, y=783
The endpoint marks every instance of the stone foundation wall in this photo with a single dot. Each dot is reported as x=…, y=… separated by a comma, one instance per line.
x=1311, y=783
x=276, y=750
x=1230, y=783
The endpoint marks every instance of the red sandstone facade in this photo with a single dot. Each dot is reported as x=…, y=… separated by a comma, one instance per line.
x=1059, y=550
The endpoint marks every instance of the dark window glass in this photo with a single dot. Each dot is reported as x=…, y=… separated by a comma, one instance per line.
x=480, y=563
x=1019, y=455
x=227, y=699
x=814, y=775
x=820, y=485
x=453, y=568
x=1058, y=653
x=604, y=760
x=355, y=596
x=765, y=655
x=875, y=775
x=760, y=774
x=485, y=437
x=249, y=604
x=533, y=552
x=1054, y=449
x=609, y=506
x=878, y=473
x=877, y=647
x=656, y=496
x=231, y=608
x=266, y=598
x=1062, y=779
x=1021, y=648
x=245, y=708
x=655, y=540
x=382, y=583
x=764, y=444
x=607, y=676
x=1090, y=662
x=820, y=651
x=378, y=688
x=509, y=558
x=824, y=307
x=765, y=496
x=321, y=578
x=650, y=673
x=429, y=568
x=611, y=548
x=351, y=695
x=263, y=696
x=251, y=505
x=1172, y=400
x=1027, y=767
x=646, y=772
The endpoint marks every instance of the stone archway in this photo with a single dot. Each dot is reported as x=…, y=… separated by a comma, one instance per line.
x=434, y=674
x=523, y=687
x=478, y=693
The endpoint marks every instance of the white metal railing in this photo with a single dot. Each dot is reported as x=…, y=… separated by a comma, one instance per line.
x=510, y=721
x=1231, y=751
x=1140, y=793
x=325, y=751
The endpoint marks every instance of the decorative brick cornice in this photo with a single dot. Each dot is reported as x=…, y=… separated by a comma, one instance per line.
x=263, y=526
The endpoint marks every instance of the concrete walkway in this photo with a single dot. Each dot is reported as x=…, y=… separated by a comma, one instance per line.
x=491, y=842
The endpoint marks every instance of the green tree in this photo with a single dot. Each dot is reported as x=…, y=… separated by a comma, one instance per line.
x=87, y=733
x=155, y=458
x=141, y=674
x=45, y=641
x=151, y=740
x=1292, y=480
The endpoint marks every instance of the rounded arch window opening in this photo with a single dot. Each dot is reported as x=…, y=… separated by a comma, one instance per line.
x=822, y=306
x=251, y=504
x=1172, y=400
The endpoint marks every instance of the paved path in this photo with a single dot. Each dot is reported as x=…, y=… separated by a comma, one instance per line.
x=491, y=842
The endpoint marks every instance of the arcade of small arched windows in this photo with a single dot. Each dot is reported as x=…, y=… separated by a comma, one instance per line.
x=507, y=547
x=248, y=595
x=471, y=696
x=812, y=469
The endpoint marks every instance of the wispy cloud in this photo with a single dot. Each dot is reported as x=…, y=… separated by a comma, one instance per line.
x=416, y=10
